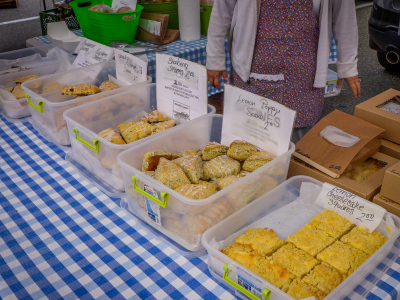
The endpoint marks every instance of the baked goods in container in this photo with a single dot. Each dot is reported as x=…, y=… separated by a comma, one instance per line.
x=124, y=9
x=170, y=174
x=134, y=131
x=331, y=223
x=28, y=77
x=297, y=261
x=161, y=126
x=192, y=166
x=50, y=86
x=324, y=277
x=364, y=170
x=264, y=241
x=311, y=240
x=196, y=191
x=190, y=152
x=101, y=8
x=212, y=150
x=300, y=290
x=112, y=136
x=257, y=160
x=241, y=150
x=343, y=257
x=226, y=181
x=361, y=239
x=18, y=92
x=81, y=89
x=155, y=117
x=151, y=159
x=107, y=85
x=243, y=254
x=221, y=166
x=272, y=272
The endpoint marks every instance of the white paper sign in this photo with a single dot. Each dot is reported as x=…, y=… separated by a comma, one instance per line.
x=129, y=68
x=360, y=211
x=257, y=120
x=90, y=52
x=181, y=88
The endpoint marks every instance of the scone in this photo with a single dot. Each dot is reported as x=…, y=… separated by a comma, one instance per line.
x=134, y=131
x=107, y=86
x=170, y=174
x=192, y=166
x=257, y=160
x=28, y=77
x=241, y=150
x=264, y=241
x=189, y=152
x=363, y=240
x=18, y=92
x=81, y=89
x=161, y=126
x=196, y=191
x=221, y=166
x=155, y=117
x=112, y=136
x=226, y=181
x=151, y=159
x=50, y=86
x=212, y=150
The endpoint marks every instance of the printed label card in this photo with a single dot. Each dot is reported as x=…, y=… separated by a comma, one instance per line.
x=181, y=88
x=360, y=211
x=258, y=120
x=129, y=68
x=90, y=52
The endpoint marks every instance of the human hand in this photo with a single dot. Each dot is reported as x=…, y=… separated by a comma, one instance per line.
x=354, y=83
x=213, y=77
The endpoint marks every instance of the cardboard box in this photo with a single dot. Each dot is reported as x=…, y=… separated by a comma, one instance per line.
x=366, y=189
x=388, y=204
x=370, y=112
x=390, y=148
x=391, y=183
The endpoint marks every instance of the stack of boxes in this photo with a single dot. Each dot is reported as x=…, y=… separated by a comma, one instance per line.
x=389, y=197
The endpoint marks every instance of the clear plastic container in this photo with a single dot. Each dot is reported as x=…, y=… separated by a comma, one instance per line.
x=18, y=108
x=331, y=81
x=97, y=155
x=179, y=218
x=48, y=105
x=226, y=270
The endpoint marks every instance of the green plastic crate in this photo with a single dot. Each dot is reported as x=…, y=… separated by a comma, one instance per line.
x=52, y=15
x=107, y=27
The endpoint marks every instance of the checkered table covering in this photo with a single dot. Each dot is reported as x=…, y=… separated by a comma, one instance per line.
x=62, y=238
x=194, y=51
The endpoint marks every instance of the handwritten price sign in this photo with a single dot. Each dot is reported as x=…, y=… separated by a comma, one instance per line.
x=90, y=52
x=359, y=211
x=129, y=68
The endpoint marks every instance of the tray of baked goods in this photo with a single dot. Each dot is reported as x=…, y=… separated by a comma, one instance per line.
x=49, y=96
x=22, y=65
x=185, y=181
x=100, y=130
x=286, y=245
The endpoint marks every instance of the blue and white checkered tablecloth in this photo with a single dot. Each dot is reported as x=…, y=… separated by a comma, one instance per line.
x=194, y=51
x=62, y=238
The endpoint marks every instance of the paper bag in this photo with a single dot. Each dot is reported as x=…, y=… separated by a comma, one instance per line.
x=145, y=36
x=338, y=143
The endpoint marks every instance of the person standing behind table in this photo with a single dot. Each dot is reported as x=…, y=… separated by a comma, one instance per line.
x=280, y=50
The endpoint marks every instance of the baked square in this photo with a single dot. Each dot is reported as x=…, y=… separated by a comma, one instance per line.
x=300, y=290
x=361, y=239
x=332, y=223
x=324, y=277
x=112, y=136
x=343, y=257
x=264, y=241
x=297, y=261
x=311, y=240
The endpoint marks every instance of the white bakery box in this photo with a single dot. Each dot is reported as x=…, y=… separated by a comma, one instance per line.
x=95, y=157
x=176, y=217
x=48, y=105
x=283, y=210
x=41, y=61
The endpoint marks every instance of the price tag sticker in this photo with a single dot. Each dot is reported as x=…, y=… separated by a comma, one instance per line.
x=257, y=120
x=129, y=68
x=181, y=87
x=249, y=282
x=360, y=211
x=90, y=52
x=153, y=209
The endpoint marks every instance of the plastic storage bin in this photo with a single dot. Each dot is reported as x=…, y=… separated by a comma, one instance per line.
x=96, y=154
x=47, y=106
x=184, y=220
x=280, y=203
x=330, y=89
x=107, y=27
